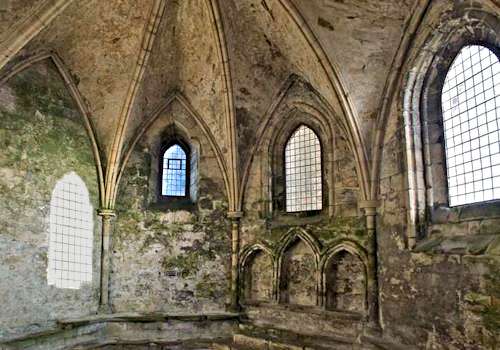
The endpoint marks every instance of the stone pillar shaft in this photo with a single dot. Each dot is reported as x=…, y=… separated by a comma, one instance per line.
x=107, y=216
x=235, y=256
x=370, y=210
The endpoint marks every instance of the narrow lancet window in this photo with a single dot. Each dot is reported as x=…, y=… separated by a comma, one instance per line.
x=70, y=234
x=471, y=118
x=174, y=175
x=303, y=176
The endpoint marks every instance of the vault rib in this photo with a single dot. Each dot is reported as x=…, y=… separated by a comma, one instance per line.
x=28, y=28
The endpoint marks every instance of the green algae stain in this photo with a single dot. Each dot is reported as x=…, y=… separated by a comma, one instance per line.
x=42, y=138
x=191, y=244
x=325, y=231
x=490, y=314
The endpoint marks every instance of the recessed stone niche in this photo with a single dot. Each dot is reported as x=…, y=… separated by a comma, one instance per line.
x=298, y=275
x=345, y=283
x=259, y=278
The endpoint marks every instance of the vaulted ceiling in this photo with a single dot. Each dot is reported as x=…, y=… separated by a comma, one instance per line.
x=228, y=58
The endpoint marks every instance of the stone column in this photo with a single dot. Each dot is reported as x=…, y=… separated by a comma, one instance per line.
x=235, y=257
x=370, y=210
x=107, y=217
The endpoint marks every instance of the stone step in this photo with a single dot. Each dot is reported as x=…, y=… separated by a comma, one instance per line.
x=294, y=340
x=221, y=346
x=263, y=344
x=247, y=342
x=228, y=346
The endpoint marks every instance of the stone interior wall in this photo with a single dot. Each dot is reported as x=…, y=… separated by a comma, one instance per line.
x=341, y=185
x=169, y=257
x=295, y=256
x=429, y=298
x=154, y=346
x=42, y=138
x=438, y=296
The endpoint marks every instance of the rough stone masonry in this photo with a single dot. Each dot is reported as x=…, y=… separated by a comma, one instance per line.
x=102, y=89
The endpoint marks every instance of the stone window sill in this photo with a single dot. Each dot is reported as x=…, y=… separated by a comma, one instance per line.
x=173, y=204
x=477, y=211
x=460, y=245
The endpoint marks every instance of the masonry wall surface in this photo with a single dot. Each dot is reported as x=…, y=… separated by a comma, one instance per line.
x=327, y=64
x=440, y=294
x=168, y=256
x=42, y=138
x=429, y=299
x=297, y=243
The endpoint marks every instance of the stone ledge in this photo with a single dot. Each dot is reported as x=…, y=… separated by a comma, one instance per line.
x=315, y=310
x=144, y=318
x=38, y=334
x=461, y=245
x=49, y=335
x=188, y=344
x=276, y=338
x=385, y=344
x=93, y=324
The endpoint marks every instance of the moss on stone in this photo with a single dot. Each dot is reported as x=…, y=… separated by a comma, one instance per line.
x=491, y=313
x=325, y=231
x=42, y=139
x=188, y=248
x=208, y=288
x=352, y=227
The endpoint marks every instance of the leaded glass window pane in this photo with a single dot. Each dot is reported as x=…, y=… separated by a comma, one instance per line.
x=471, y=119
x=303, y=171
x=70, y=234
x=174, y=172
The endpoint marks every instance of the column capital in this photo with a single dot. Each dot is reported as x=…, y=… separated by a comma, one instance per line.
x=234, y=215
x=369, y=204
x=369, y=207
x=106, y=213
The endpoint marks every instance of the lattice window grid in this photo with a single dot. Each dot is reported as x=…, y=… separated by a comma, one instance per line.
x=471, y=118
x=174, y=172
x=303, y=172
x=70, y=234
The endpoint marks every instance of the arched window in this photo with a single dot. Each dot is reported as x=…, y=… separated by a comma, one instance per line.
x=70, y=234
x=175, y=170
x=303, y=176
x=470, y=102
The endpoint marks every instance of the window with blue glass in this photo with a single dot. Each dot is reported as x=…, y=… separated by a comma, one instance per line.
x=174, y=179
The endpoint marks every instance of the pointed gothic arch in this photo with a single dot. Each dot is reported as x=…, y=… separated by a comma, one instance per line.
x=77, y=98
x=175, y=97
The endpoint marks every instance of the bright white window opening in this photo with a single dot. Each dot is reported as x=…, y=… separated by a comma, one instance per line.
x=471, y=116
x=70, y=234
x=174, y=172
x=303, y=171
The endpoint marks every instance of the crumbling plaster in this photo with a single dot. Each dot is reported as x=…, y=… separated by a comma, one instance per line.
x=361, y=38
x=99, y=42
x=113, y=93
x=13, y=11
